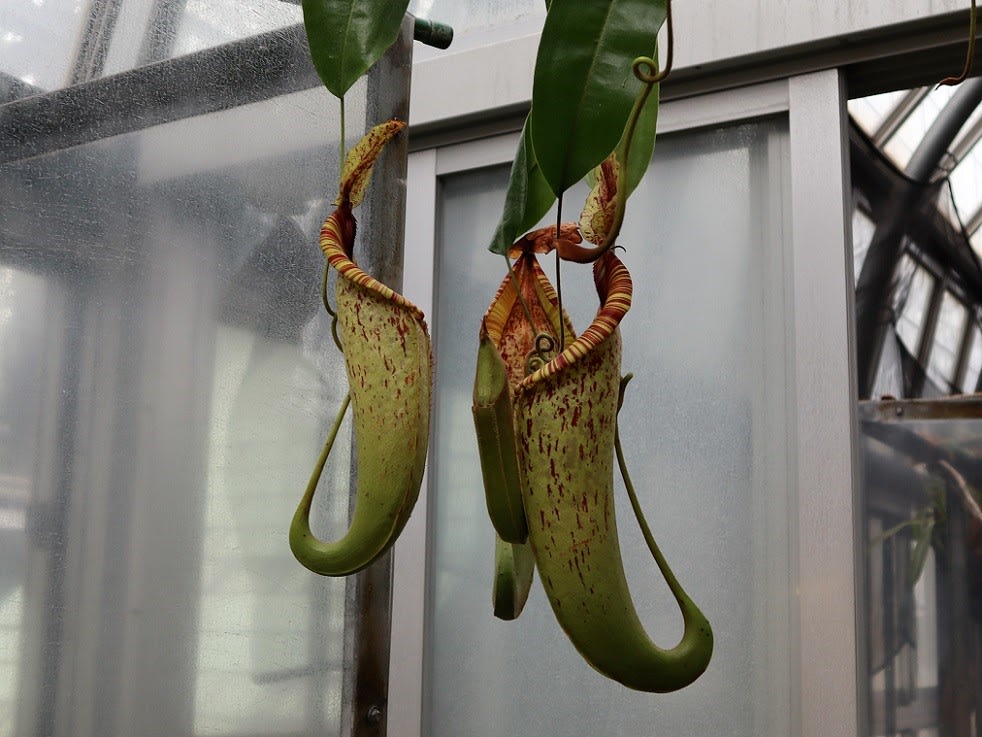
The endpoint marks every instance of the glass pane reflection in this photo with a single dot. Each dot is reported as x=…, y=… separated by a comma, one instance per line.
x=923, y=564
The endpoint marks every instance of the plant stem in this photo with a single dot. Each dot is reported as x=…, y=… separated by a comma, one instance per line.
x=559, y=277
x=344, y=152
x=969, y=54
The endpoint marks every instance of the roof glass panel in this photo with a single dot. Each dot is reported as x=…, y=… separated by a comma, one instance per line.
x=902, y=145
x=898, y=121
x=38, y=39
x=947, y=340
x=911, y=321
x=870, y=112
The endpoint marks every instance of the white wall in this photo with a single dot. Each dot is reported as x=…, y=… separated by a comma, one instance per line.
x=487, y=71
x=711, y=31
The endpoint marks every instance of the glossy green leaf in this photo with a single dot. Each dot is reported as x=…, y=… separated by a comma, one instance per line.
x=584, y=89
x=347, y=36
x=528, y=197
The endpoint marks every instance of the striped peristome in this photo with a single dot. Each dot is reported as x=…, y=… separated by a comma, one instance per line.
x=615, y=287
x=332, y=244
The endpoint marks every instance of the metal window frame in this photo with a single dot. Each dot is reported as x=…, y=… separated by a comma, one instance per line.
x=826, y=690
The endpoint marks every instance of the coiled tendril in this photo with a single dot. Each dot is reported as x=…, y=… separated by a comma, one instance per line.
x=541, y=354
x=645, y=68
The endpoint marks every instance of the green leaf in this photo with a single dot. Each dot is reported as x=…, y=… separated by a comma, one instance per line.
x=584, y=89
x=347, y=36
x=527, y=200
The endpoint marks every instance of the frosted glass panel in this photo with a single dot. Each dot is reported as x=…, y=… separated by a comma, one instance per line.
x=705, y=429
x=36, y=42
x=206, y=23
x=167, y=379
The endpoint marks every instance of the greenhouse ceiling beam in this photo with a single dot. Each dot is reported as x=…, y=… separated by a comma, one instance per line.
x=963, y=146
x=966, y=143
x=924, y=161
x=873, y=289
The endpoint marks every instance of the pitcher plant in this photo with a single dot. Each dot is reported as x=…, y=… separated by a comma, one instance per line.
x=388, y=360
x=559, y=455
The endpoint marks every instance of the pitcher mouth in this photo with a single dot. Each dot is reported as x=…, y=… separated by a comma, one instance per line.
x=615, y=289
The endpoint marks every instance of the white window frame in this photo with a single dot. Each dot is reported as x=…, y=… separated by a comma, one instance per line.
x=826, y=686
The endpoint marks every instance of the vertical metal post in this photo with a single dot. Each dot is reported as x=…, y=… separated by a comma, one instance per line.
x=382, y=232
x=830, y=685
x=889, y=636
x=957, y=669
